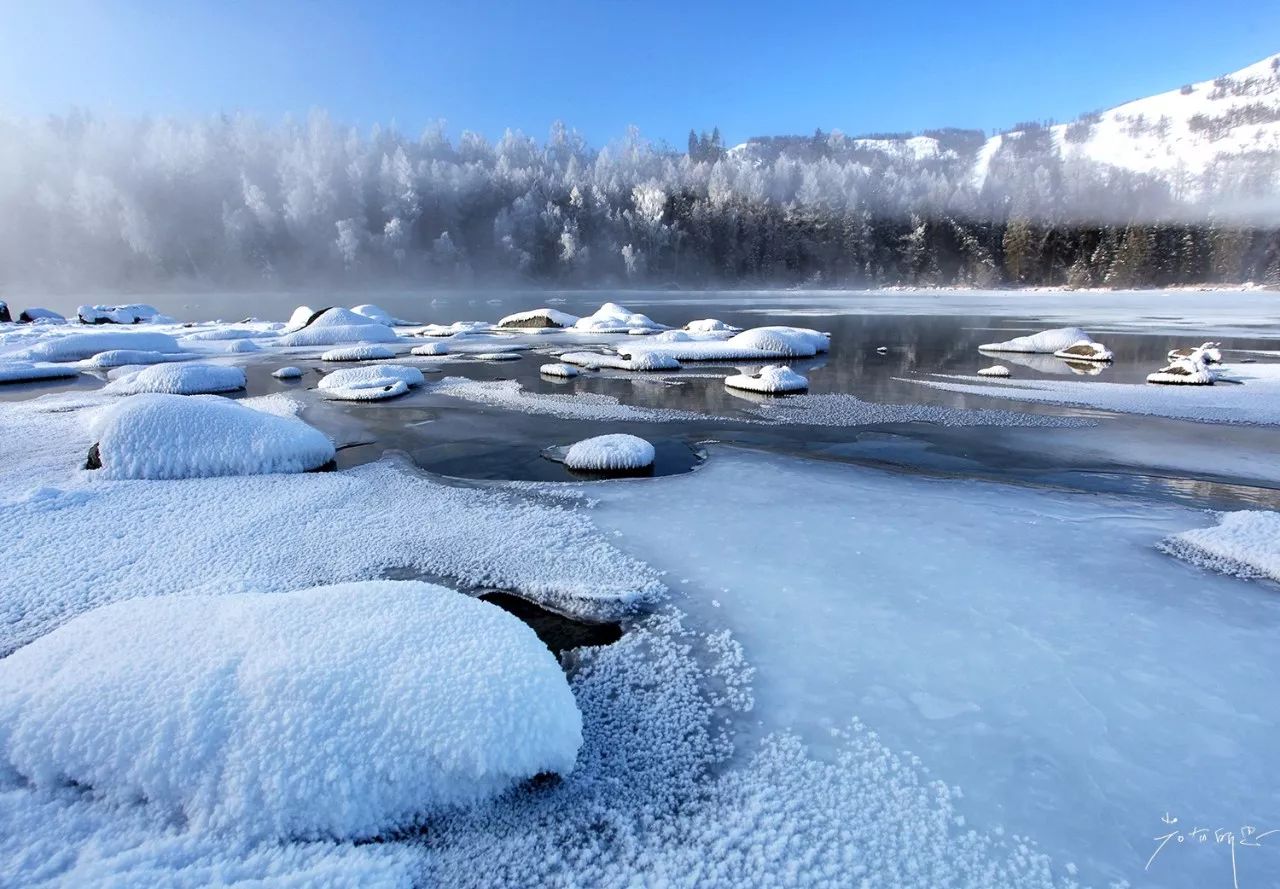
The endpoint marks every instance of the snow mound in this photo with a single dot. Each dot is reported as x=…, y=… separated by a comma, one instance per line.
x=377, y=313
x=539, y=318
x=179, y=379
x=558, y=370
x=639, y=360
x=708, y=325
x=771, y=379
x=375, y=390
x=26, y=372
x=298, y=320
x=1182, y=372
x=430, y=349
x=995, y=370
x=1085, y=350
x=612, y=317
x=373, y=382
x=358, y=353
x=160, y=436
x=218, y=334
x=610, y=453
x=1207, y=353
x=1046, y=341
x=288, y=373
x=342, y=711
x=758, y=343
x=339, y=326
x=453, y=329
x=35, y=314
x=134, y=313
x=510, y=355
x=123, y=357
x=76, y=346
x=1245, y=543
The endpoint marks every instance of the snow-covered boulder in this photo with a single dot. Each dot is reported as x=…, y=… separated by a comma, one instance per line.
x=617, y=453
x=1207, y=353
x=773, y=379
x=639, y=360
x=430, y=349
x=358, y=353
x=344, y=712
x=558, y=369
x=371, y=382
x=614, y=318
x=35, y=315
x=756, y=344
x=708, y=325
x=288, y=373
x=1046, y=341
x=539, y=318
x=373, y=390
x=157, y=436
x=76, y=346
x=301, y=316
x=235, y=347
x=1085, y=350
x=5, y=316
x=122, y=357
x=26, y=372
x=133, y=313
x=338, y=326
x=995, y=370
x=377, y=313
x=179, y=379
x=1183, y=372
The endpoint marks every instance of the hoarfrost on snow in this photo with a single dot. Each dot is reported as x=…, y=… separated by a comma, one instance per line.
x=26, y=372
x=338, y=326
x=135, y=313
x=558, y=369
x=159, y=436
x=179, y=379
x=430, y=349
x=287, y=373
x=1085, y=350
x=539, y=318
x=618, y=452
x=358, y=353
x=638, y=361
x=344, y=711
x=1046, y=341
x=75, y=346
x=1244, y=543
x=995, y=370
x=770, y=379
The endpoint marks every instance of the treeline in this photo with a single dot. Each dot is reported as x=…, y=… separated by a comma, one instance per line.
x=89, y=202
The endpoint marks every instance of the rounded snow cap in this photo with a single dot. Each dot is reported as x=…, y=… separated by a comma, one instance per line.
x=610, y=453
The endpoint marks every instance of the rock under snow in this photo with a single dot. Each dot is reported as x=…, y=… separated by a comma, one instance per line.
x=134, y=313
x=995, y=370
x=160, y=436
x=539, y=318
x=288, y=373
x=772, y=379
x=640, y=360
x=76, y=346
x=1046, y=341
x=614, y=318
x=1183, y=372
x=35, y=315
x=430, y=349
x=26, y=372
x=708, y=325
x=610, y=453
x=1207, y=353
x=377, y=313
x=371, y=382
x=338, y=326
x=123, y=357
x=756, y=344
x=358, y=353
x=558, y=369
x=299, y=319
x=179, y=379
x=345, y=711
x=1085, y=350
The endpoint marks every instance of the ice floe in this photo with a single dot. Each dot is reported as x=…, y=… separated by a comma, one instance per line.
x=372, y=382
x=75, y=346
x=430, y=349
x=123, y=357
x=344, y=711
x=159, y=436
x=637, y=361
x=757, y=343
x=509, y=394
x=995, y=370
x=558, y=369
x=338, y=326
x=618, y=452
x=358, y=353
x=179, y=379
x=1046, y=341
x=770, y=379
x=26, y=372
x=539, y=318
x=1244, y=543
x=287, y=373
x=133, y=313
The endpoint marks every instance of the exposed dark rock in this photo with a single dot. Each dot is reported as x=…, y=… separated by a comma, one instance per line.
x=559, y=632
x=94, y=460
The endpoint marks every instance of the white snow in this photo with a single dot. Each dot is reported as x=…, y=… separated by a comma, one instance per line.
x=299, y=318
x=1183, y=372
x=610, y=453
x=770, y=379
x=510, y=395
x=339, y=326
x=75, y=346
x=26, y=372
x=536, y=318
x=453, y=329
x=559, y=370
x=340, y=711
x=36, y=315
x=708, y=325
x=122, y=357
x=159, y=436
x=1046, y=341
x=377, y=313
x=133, y=313
x=380, y=389
x=371, y=382
x=613, y=318
x=179, y=379
x=1206, y=353
x=215, y=334
x=511, y=355
x=287, y=373
x=1085, y=350
x=757, y=343
x=430, y=349
x=995, y=370
x=358, y=353
x=1244, y=543
x=638, y=361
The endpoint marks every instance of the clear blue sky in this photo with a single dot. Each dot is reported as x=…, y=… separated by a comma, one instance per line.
x=753, y=67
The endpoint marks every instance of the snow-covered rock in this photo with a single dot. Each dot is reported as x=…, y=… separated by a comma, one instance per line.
x=374, y=390
x=358, y=353
x=133, y=313
x=430, y=349
x=288, y=373
x=338, y=326
x=755, y=344
x=1085, y=350
x=122, y=357
x=5, y=316
x=179, y=379
x=371, y=382
x=995, y=370
x=610, y=453
x=708, y=325
x=345, y=711
x=537, y=318
x=771, y=379
x=558, y=369
x=1046, y=341
x=1183, y=372
x=26, y=372
x=76, y=346
x=377, y=313
x=235, y=347
x=298, y=320
x=614, y=318
x=36, y=315
x=1207, y=353
x=160, y=436
x=639, y=360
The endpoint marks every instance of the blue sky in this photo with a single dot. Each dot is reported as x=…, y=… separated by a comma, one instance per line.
x=751, y=67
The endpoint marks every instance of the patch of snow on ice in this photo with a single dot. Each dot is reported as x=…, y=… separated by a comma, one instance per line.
x=1046, y=341
x=287, y=373
x=430, y=349
x=358, y=353
x=639, y=361
x=122, y=357
x=559, y=370
x=1244, y=543
x=179, y=379
x=26, y=372
x=770, y=379
x=75, y=346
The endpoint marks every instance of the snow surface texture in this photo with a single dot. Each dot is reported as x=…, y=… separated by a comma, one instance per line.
x=26, y=372
x=339, y=326
x=538, y=318
x=838, y=409
x=371, y=382
x=158, y=436
x=179, y=379
x=1255, y=402
x=288, y=373
x=610, y=453
x=358, y=353
x=1245, y=544
x=756, y=344
x=123, y=357
x=557, y=369
x=1046, y=341
x=641, y=361
x=430, y=349
x=75, y=346
x=770, y=379
x=238, y=711
x=613, y=318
